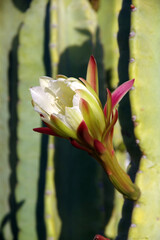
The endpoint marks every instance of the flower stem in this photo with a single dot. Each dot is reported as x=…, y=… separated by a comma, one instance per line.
x=118, y=176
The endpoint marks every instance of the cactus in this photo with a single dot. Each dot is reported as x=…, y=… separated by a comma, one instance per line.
x=9, y=31
x=48, y=189
x=144, y=67
x=75, y=48
x=30, y=50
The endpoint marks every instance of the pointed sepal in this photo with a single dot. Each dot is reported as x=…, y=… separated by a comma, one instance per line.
x=108, y=107
x=45, y=130
x=79, y=146
x=109, y=129
x=119, y=93
x=93, y=118
x=92, y=74
x=61, y=127
x=83, y=133
x=99, y=237
x=99, y=147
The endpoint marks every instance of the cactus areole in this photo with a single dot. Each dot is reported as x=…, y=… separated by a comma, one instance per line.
x=71, y=109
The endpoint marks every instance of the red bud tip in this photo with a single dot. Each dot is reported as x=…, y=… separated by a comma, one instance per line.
x=45, y=130
x=83, y=133
x=78, y=145
x=99, y=237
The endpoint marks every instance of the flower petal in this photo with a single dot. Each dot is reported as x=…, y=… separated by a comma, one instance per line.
x=52, y=126
x=62, y=92
x=110, y=127
x=67, y=132
x=99, y=147
x=90, y=89
x=118, y=94
x=83, y=133
x=108, y=107
x=94, y=105
x=92, y=74
x=94, y=119
x=79, y=146
x=73, y=117
x=45, y=130
x=44, y=81
x=43, y=100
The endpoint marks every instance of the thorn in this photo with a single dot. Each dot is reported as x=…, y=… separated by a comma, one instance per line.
x=132, y=60
x=133, y=225
x=53, y=45
x=144, y=156
x=51, y=146
x=54, y=6
x=115, y=35
x=54, y=25
x=139, y=171
x=137, y=205
x=48, y=192
x=132, y=88
x=54, y=64
x=137, y=141
x=132, y=34
x=134, y=121
x=50, y=238
x=133, y=8
x=134, y=117
x=49, y=168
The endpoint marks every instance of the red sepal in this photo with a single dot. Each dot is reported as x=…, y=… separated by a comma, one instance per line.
x=78, y=145
x=92, y=74
x=108, y=106
x=83, y=133
x=99, y=237
x=99, y=147
x=119, y=93
x=45, y=130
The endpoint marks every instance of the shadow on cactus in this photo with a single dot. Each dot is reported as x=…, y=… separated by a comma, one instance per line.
x=71, y=109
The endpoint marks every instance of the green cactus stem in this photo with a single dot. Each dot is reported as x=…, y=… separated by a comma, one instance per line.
x=30, y=57
x=108, y=22
x=8, y=31
x=52, y=220
x=144, y=66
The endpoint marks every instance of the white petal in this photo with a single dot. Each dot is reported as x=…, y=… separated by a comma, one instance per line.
x=73, y=117
x=76, y=84
x=44, y=101
x=40, y=111
x=62, y=91
x=44, y=81
x=76, y=99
